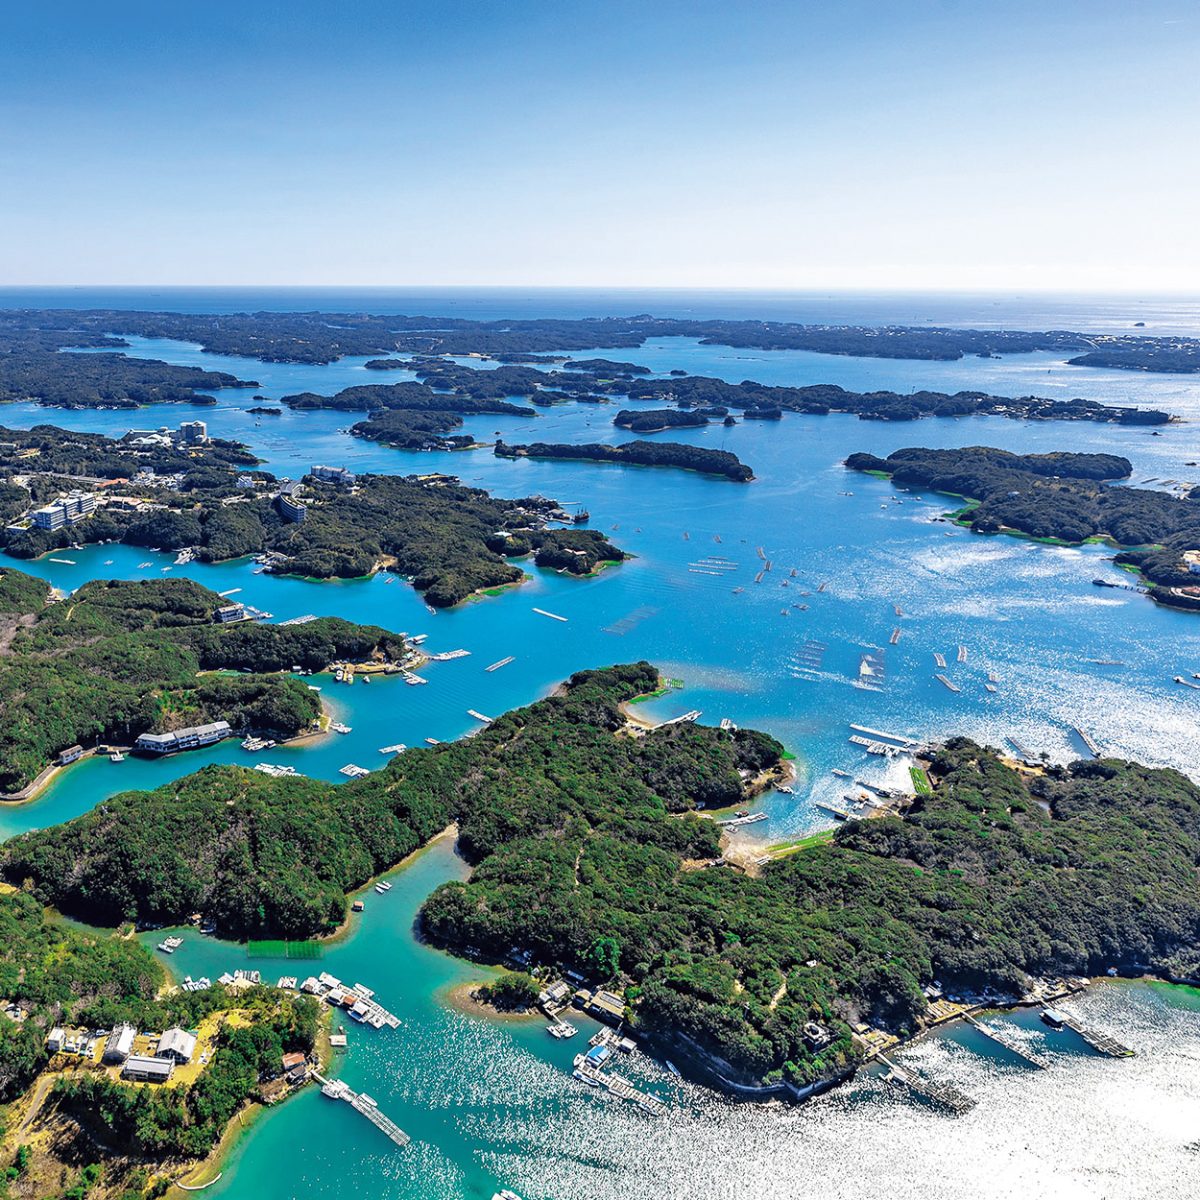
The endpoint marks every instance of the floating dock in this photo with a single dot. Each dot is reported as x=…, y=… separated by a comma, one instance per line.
x=752, y=819
x=304, y=620
x=948, y=683
x=479, y=716
x=940, y=660
x=335, y=1089
x=895, y=636
x=502, y=663
x=962, y=654
x=541, y=612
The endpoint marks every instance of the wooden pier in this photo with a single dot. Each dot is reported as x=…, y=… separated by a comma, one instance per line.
x=335, y=1089
x=935, y=1093
x=1102, y=1043
x=1024, y=1055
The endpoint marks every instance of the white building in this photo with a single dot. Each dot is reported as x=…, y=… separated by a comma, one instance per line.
x=119, y=1045
x=177, y=1044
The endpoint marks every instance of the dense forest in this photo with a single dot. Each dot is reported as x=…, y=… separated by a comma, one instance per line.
x=324, y=337
x=120, y=658
x=1060, y=496
x=588, y=850
x=640, y=454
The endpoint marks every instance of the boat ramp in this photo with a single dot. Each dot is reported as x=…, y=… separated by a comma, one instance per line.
x=335, y=1089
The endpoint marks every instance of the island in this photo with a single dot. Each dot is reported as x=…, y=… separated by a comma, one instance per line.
x=639, y=454
x=656, y=420
x=1063, y=498
x=60, y=488
x=121, y=660
x=593, y=851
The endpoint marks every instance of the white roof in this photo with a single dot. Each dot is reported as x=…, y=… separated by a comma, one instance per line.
x=177, y=1041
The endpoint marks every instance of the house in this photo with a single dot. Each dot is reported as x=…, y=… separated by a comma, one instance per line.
x=338, y=475
x=119, y=1044
x=69, y=755
x=177, y=1044
x=55, y=1039
x=606, y=1006
x=229, y=613
x=295, y=1066
x=143, y=1069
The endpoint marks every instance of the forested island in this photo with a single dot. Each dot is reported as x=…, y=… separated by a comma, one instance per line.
x=1063, y=497
x=119, y=659
x=324, y=337
x=452, y=541
x=657, y=420
x=639, y=454
x=589, y=852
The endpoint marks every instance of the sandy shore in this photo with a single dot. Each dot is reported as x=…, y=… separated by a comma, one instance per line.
x=461, y=998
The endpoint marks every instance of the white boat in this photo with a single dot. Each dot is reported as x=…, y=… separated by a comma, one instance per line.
x=116, y=756
x=383, y=887
x=505, y=1194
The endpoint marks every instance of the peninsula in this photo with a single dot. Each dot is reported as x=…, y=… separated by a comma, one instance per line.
x=452, y=541
x=122, y=659
x=592, y=853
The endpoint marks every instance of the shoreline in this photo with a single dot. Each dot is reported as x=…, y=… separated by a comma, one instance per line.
x=461, y=998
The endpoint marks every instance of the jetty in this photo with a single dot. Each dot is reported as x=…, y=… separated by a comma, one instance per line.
x=948, y=683
x=335, y=1089
x=1093, y=749
x=935, y=1093
x=398, y=748
x=304, y=620
x=907, y=742
x=541, y=612
x=874, y=746
x=1102, y=1043
x=840, y=813
x=502, y=663
x=448, y=655
x=752, y=819
x=989, y=1033
x=479, y=716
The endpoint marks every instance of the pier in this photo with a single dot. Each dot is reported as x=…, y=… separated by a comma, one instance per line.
x=541, y=612
x=991, y=1035
x=873, y=746
x=946, y=682
x=1093, y=749
x=935, y=1093
x=906, y=742
x=335, y=1089
x=1102, y=1043
x=479, y=716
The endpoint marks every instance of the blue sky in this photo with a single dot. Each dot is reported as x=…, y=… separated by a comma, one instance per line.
x=857, y=144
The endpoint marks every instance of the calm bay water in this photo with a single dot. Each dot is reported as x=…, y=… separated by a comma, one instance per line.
x=492, y=1104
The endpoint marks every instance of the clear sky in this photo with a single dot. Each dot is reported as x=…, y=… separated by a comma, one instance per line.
x=841, y=143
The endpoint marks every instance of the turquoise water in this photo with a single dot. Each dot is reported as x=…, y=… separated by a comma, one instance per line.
x=491, y=1104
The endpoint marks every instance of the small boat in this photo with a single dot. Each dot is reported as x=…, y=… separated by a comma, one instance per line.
x=383, y=887
x=505, y=1194
x=116, y=756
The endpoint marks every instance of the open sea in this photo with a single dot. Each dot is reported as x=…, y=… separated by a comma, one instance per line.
x=492, y=1104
